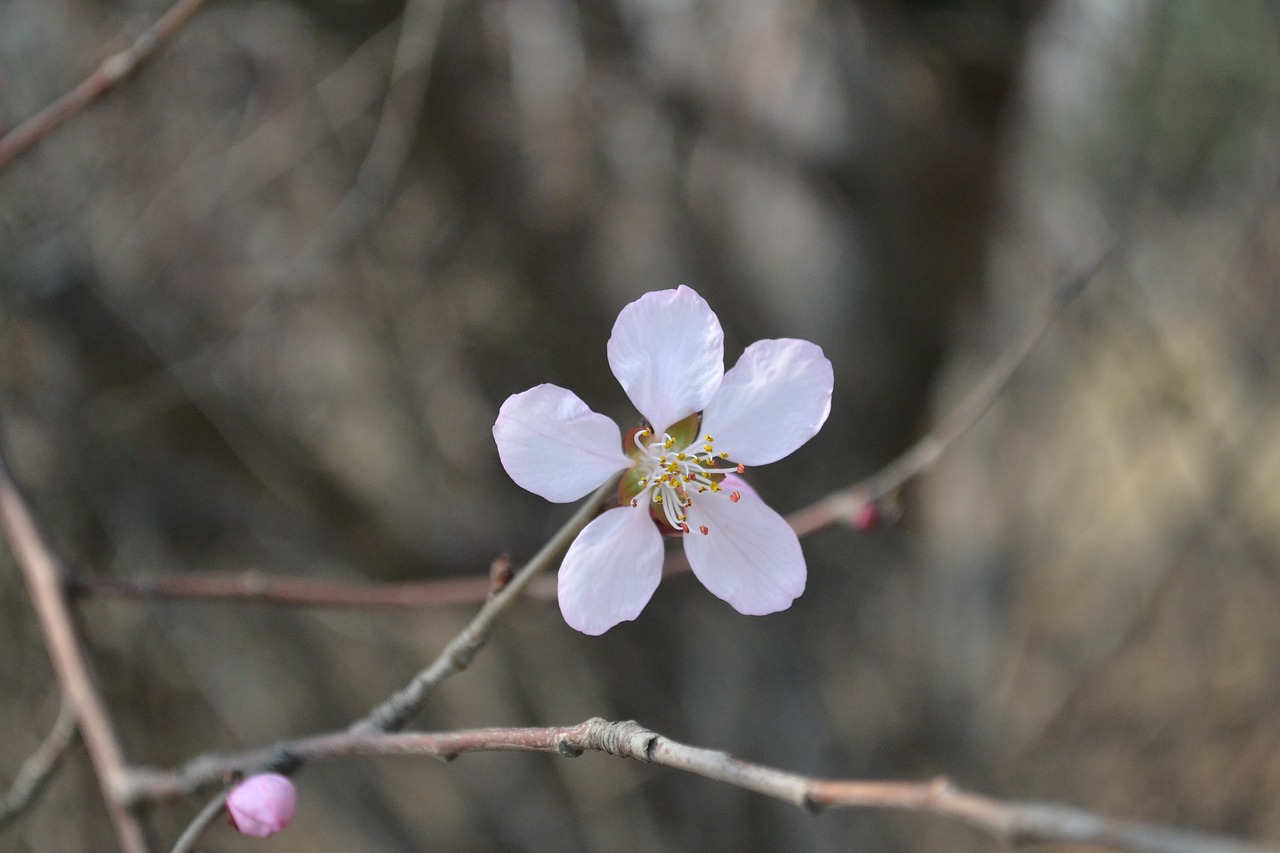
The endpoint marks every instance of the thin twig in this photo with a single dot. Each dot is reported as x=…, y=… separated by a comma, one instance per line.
x=108, y=74
x=39, y=766
x=43, y=577
x=842, y=507
x=1010, y=821
x=260, y=588
x=202, y=821
x=397, y=710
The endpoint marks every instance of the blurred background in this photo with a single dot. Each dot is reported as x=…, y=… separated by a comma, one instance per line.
x=260, y=305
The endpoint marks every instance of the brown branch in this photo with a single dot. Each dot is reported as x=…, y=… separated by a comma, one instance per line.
x=43, y=577
x=1010, y=821
x=39, y=767
x=108, y=74
x=259, y=588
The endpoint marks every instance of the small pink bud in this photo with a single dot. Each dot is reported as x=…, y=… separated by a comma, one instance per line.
x=867, y=516
x=262, y=805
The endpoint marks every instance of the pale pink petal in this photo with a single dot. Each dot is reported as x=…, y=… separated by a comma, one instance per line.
x=667, y=350
x=611, y=570
x=554, y=446
x=733, y=483
x=772, y=401
x=749, y=556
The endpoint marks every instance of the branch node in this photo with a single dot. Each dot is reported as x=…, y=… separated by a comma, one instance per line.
x=812, y=804
x=283, y=760
x=568, y=750
x=627, y=739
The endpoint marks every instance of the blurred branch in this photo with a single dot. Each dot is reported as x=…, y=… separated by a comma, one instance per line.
x=258, y=588
x=43, y=577
x=1014, y=823
x=39, y=767
x=843, y=507
x=397, y=124
x=108, y=74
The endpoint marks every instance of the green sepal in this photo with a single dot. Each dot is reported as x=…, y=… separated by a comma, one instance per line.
x=684, y=433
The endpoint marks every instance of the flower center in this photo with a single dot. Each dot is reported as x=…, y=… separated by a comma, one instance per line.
x=670, y=477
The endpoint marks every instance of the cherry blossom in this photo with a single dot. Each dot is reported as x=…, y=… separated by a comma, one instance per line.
x=703, y=427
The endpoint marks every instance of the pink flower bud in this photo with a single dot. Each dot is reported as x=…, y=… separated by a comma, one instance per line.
x=262, y=805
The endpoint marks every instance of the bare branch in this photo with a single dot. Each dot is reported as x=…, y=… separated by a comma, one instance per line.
x=108, y=74
x=39, y=766
x=1010, y=821
x=842, y=507
x=260, y=588
x=43, y=577
x=457, y=656
x=201, y=822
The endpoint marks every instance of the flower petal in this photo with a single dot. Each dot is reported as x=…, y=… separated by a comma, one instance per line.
x=772, y=401
x=611, y=570
x=554, y=446
x=749, y=556
x=667, y=350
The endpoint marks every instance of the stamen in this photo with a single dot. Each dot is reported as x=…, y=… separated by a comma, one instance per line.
x=702, y=528
x=741, y=467
x=735, y=497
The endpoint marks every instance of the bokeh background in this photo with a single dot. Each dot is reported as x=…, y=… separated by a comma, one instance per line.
x=259, y=307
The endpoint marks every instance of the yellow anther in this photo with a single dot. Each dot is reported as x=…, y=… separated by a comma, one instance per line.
x=724, y=454
x=708, y=448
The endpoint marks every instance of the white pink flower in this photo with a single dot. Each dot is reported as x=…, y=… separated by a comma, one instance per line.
x=703, y=427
